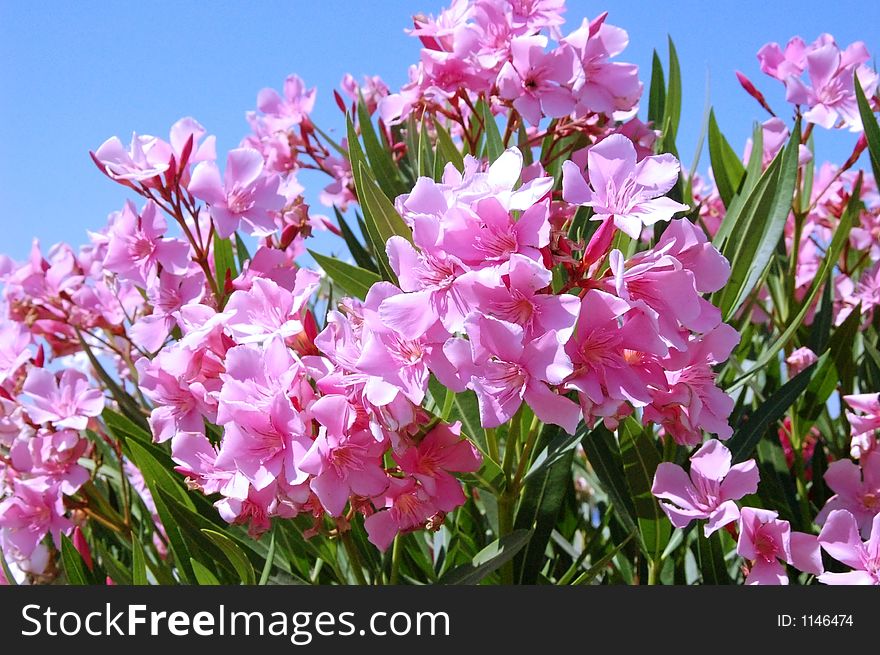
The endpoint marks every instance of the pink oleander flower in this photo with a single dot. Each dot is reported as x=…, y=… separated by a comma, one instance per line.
x=708, y=491
x=54, y=455
x=266, y=434
x=800, y=359
x=34, y=510
x=864, y=424
x=515, y=297
x=439, y=454
x=244, y=194
x=15, y=341
x=267, y=310
x=615, y=352
x=602, y=86
x=630, y=193
x=168, y=294
x=840, y=539
x=343, y=461
x=769, y=543
x=783, y=64
x=283, y=113
x=137, y=246
x=67, y=402
x=146, y=157
x=535, y=79
x=691, y=403
x=506, y=371
x=856, y=489
x=405, y=506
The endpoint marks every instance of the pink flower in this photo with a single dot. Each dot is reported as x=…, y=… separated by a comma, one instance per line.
x=343, y=461
x=146, y=157
x=710, y=489
x=856, y=489
x=800, y=359
x=619, y=188
x=508, y=371
x=783, y=64
x=244, y=194
x=535, y=80
x=864, y=424
x=168, y=294
x=441, y=452
x=840, y=539
x=54, y=455
x=14, y=348
x=177, y=405
x=267, y=310
x=67, y=402
x=765, y=540
x=34, y=510
x=283, y=113
x=406, y=506
x=137, y=245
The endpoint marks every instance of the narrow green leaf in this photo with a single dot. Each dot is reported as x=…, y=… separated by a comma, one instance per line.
x=446, y=148
x=657, y=93
x=638, y=451
x=871, y=127
x=235, y=554
x=270, y=558
x=358, y=252
x=820, y=331
x=7, y=573
x=672, y=105
x=746, y=438
x=603, y=454
x=494, y=144
x=711, y=558
x=203, y=575
x=426, y=153
x=351, y=279
x=138, y=563
x=540, y=505
x=380, y=159
x=829, y=261
x=602, y=563
x=224, y=261
x=241, y=251
x=760, y=227
x=122, y=398
x=74, y=566
x=490, y=559
x=727, y=168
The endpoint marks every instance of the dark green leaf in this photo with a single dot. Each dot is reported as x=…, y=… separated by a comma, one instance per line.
x=351, y=279
x=138, y=563
x=203, y=575
x=358, y=252
x=241, y=251
x=446, y=149
x=490, y=559
x=603, y=454
x=74, y=566
x=871, y=127
x=727, y=168
x=235, y=554
x=380, y=159
x=657, y=93
x=494, y=144
x=224, y=261
x=711, y=559
x=743, y=442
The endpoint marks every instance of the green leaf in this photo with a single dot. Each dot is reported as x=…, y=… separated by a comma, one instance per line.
x=270, y=557
x=426, y=152
x=820, y=331
x=380, y=159
x=746, y=438
x=117, y=571
x=380, y=217
x=138, y=563
x=126, y=404
x=490, y=559
x=158, y=475
x=539, y=508
x=224, y=261
x=447, y=148
x=759, y=228
x=871, y=127
x=657, y=93
x=358, y=252
x=351, y=279
x=711, y=558
x=494, y=144
x=638, y=451
x=203, y=575
x=241, y=251
x=235, y=554
x=604, y=456
x=672, y=104
x=74, y=566
x=726, y=165
x=602, y=563
x=829, y=261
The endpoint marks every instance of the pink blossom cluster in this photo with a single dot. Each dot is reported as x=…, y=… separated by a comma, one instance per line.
x=515, y=54
x=829, y=94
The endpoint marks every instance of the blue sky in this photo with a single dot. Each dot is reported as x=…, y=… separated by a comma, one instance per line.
x=73, y=74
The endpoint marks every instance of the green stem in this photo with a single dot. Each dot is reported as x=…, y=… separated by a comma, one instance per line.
x=492, y=444
x=505, y=527
x=524, y=460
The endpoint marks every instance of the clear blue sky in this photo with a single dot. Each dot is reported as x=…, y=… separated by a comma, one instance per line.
x=74, y=73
